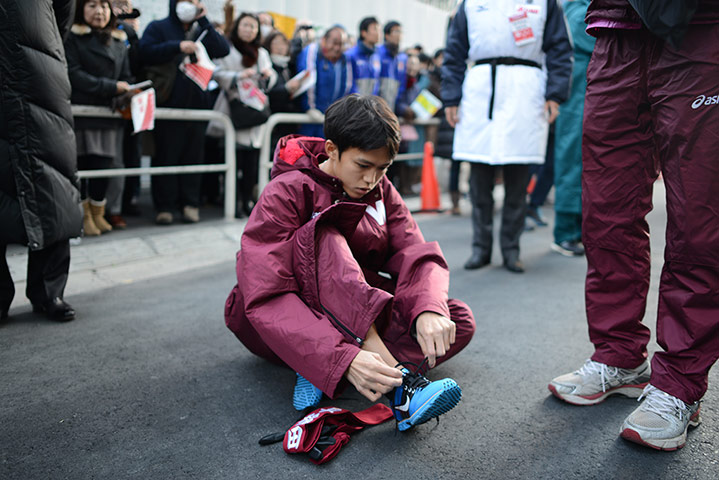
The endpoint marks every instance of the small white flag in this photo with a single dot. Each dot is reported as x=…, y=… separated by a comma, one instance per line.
x=201, y=71
x=142, y=107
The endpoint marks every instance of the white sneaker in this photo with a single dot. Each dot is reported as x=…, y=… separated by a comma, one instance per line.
x=595, y=381
x=661, y=421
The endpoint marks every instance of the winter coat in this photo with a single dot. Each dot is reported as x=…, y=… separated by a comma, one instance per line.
x=502, y=114
x=620, y=14
x=366, y=67
x=277, y=272
x=228, y=70
x=324, y=92
x=568, y=126
x=95, y=68
x=280, y=99
x=392, y=77
x=38, y=164
x=160, y=44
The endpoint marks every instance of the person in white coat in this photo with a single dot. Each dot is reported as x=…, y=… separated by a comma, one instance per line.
x=520, y=59
x=247, y=60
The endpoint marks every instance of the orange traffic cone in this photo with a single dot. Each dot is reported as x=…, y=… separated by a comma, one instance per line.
x=430, y=187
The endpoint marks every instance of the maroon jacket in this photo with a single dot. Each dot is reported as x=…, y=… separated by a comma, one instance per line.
x=277, y=287
x=620, y=14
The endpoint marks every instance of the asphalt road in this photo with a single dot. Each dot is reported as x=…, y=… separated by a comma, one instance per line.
x=148, y=383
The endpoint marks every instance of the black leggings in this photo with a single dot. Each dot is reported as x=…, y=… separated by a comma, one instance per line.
x=96, y=188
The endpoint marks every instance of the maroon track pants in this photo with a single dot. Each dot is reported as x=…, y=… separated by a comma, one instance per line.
x=649, y=108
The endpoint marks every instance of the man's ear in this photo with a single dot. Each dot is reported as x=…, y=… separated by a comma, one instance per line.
x=331, y=150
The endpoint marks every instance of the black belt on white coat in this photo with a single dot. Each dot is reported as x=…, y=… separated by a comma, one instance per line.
x=503, y=61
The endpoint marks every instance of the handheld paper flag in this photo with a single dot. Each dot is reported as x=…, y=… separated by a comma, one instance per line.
x=142, y=106
x=200, y=71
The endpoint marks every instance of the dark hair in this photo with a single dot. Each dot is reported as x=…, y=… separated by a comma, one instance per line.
x=271, y=17
x=365, y=24
x=389, y=26
x=268, y=41
x=103, y=33
x=440, y=51
x=250, y=51
x=362, y=121
x=334, y=27
x=424, y=58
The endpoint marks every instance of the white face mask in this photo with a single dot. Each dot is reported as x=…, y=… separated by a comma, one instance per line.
x=186, y=12
x=265, y=30
x=280, y=60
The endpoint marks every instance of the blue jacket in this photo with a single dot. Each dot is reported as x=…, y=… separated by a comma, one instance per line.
x=392, y=77
x=160, y=43
x=365, y=69
x=334, y=80
x=555, y=45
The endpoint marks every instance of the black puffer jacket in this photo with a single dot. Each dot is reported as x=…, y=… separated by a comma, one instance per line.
x=37, y=143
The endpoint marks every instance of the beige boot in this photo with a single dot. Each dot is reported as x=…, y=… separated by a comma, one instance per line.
x=88, y=225
x=97, y=209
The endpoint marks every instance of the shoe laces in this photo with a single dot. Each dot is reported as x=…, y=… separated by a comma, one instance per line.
x=414, y=380
x=661, y=403
x=605, y=372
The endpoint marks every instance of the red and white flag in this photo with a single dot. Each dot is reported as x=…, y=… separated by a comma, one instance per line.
x=142, y=107
x=200, y=71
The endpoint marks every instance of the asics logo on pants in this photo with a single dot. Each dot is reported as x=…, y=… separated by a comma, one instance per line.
x=705, y=100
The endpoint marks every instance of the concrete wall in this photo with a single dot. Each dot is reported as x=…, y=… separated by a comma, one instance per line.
x=421, y=23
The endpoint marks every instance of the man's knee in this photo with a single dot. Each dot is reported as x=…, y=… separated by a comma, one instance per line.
x=463, y=318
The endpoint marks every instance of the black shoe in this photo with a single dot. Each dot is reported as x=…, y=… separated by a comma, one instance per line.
x=477, y=260
x=533, y=213
x=3, y=314
x=569, y=248
x=55, y=309
x=514, y=266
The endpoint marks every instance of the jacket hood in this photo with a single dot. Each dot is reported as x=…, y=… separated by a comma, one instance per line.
x=295, y=152
x=173, y=15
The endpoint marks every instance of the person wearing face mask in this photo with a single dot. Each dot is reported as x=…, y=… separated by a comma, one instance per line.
x=334, y=75
x=267, y=25
x=247, y=61
x=282, y=94
x=364, y=59
x=99, y=68
x=164, y=44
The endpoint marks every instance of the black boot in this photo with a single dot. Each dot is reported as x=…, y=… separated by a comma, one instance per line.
x=512, y=263
x=478, y=259
x=55, y=309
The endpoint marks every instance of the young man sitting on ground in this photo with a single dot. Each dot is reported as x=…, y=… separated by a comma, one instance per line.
x=335, y=279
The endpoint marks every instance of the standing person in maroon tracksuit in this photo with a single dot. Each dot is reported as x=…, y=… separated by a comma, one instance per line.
x=651, y=106
x=334, y=277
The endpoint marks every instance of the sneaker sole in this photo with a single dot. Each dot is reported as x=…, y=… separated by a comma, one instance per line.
x=666, y=444
x=306, y=394
x=631, y=391
x=440, y=403
x=567, y=253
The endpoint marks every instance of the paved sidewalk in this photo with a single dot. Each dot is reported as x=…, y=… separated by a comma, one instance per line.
x=144, y=252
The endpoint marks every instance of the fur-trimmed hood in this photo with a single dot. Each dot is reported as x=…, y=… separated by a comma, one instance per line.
x=81, y=29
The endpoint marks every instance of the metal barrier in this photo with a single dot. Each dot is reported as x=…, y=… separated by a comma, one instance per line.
x=278, y=118
x=229, y=167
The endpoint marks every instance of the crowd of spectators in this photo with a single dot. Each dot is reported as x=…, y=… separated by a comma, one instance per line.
x=305, y=73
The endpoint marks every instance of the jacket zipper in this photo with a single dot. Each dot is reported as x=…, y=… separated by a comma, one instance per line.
x=343, y=327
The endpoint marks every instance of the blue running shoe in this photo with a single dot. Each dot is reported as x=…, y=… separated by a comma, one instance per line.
x=306, y=394
x=419, y=400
